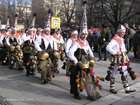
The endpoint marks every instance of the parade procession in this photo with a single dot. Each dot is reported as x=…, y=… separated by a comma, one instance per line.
x=40, y=51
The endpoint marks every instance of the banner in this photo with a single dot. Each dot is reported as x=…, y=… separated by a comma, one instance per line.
x=55, y=22
x=19, y=27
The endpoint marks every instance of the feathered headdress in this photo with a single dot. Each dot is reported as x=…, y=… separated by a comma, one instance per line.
x=33, y=21
x=83, y=28
x=48, y=22
x=15, y=24
x=7, y=23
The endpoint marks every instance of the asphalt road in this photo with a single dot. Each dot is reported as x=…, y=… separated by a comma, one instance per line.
x=17, y=89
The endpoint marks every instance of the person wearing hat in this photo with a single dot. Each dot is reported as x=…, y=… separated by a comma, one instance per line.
x=48, y=41
x=45, y=42
x=69, y=43
x=103, y=41
x=58, y=37
x=80, y=45
x=13, y=37
x=60, y=41
x=119, y=61
x=4, y=57
x=28, y=40
x=39, y=32
x=13, y=42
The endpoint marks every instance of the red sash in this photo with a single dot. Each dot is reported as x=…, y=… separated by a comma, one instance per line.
x=118, y=39
x=16, y=36
x=32, y=37
x=4, y=34
x=12, y=36
x=72, y=39
x=21, y=34
x=82, y=43
x=57, y=37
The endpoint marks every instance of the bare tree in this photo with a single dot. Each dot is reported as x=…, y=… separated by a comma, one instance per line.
x=9, y=8
x=67, y=12
x=41, y=12
x=22, y=10
x=117, y=11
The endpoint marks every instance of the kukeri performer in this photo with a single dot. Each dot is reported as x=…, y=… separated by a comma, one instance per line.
x=82, y=74
x=78, y=51
x=68, y=45
x=14, y=42
x=60, y=41
x=4, y=34
x=46, y=45
x=29, y=52
x=119, y=62
x=13, y=37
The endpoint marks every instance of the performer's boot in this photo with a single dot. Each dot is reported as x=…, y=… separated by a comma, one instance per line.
x=112, y=86
x=77, y=96
x=67, y=72
x=27, y=74
x=64, y=65
x=126, y=87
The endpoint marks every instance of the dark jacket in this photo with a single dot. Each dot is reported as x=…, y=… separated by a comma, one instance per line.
x=136, y=38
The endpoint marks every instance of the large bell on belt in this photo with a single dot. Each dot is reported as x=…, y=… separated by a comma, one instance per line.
x=28, y=49
x=92, y=61
x=18, y=47
x=34, y=52
x=83, y=65
x=12, y=48
x=124, y=58
x=115, y=59
x=127, y=59
x=57, y=55
x=112, y=59
x=118, y=60
x=43, y=55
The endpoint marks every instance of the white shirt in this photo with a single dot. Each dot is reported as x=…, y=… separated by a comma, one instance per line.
x=114, y=46
x=48, y=39
x=58, y=38
x=27, y=37
x=75, y=46
x=69, y=43
x=1, y=38
x=19, y=41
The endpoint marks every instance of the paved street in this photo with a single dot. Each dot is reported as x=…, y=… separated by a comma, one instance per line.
x=17, y=89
